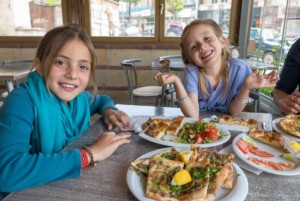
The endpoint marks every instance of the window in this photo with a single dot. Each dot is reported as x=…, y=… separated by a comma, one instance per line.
x=141, y=18
x=273, y=30
x=133, y=21
x=274, y=27
x=29, y=18
x=122, y=18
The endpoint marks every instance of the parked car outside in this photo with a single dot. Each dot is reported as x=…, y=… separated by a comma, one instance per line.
x=269, y=43
x=174, y=30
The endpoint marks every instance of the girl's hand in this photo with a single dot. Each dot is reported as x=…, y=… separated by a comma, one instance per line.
x=116, y=118
x=165, y=78
x=106, y=144
x=256, y=81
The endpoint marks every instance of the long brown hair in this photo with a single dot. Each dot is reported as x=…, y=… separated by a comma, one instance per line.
x=225, y=53
x=54, y=41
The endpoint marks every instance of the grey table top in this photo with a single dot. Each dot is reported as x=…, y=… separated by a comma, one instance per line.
x=107, y=181
x=15, y=72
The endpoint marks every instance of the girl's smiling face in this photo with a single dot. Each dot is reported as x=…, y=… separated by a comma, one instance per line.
x=203, y=46
x=70, y=71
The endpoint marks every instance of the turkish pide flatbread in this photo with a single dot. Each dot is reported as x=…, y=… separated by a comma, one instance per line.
x=291, y=124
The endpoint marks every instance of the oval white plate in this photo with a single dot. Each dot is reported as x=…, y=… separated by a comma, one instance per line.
x=143, y=135
x=277, y=128
x=238, y=192
x=277, y=158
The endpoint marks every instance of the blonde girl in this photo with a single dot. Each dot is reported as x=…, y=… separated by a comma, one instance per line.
x=212, y=80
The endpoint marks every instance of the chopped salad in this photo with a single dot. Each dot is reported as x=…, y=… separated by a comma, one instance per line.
x=199, y=132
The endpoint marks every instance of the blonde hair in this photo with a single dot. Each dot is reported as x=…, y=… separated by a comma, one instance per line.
x=54, y=41
x=225, y=53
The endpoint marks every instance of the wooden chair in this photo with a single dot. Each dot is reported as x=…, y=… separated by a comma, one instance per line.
x=135, y=90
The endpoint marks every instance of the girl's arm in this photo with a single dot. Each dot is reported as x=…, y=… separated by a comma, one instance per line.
x=240, y=101
x=253, y=81
x=188, y=103
x=105, y=106
x=99, y=103
x=21, y=169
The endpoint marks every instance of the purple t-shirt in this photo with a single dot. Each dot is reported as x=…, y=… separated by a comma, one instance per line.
x=238, y=70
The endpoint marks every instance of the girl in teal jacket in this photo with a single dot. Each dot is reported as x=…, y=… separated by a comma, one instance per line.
x=52, y=109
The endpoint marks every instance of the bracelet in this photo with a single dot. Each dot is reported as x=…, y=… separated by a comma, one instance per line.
x=183, y=99
x=241, y=101
x=89, y=152
x=84, y=158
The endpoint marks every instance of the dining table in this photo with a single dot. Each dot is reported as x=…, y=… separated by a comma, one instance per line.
x=13, y=73
x=109, y=179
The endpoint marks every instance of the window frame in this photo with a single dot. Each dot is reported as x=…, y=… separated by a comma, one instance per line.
x=158, y=33
x=160, y=27
x=80, y=13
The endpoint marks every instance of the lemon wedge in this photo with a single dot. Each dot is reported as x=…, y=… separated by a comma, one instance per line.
x=182, y=177
x=185, y=156
x=295, y=145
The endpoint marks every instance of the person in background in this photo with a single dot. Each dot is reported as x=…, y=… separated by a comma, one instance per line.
x=52, y=109
x=212, y=81
x=285, y=95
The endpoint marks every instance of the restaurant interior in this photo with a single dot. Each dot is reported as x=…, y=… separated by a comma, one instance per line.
x=147, y=30
x=138, y=36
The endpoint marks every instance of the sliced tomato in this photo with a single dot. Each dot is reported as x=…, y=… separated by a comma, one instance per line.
x=260, y=153
x=265, y=163
x=286, y=165
x=251, y=147
x=212, y=128
x=212, y=133
x=198, y=138
x=276, y=166
x=260, y=162
x=243, y=146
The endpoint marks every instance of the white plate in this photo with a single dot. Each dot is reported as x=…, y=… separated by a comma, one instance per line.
x=238, y=192
x=277, y=158
x=277, y=128
x=223, y=130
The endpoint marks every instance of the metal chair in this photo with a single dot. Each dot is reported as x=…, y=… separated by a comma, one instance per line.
x=15, y=64
x=135, y=91
x=254, y=99
x=17, y=61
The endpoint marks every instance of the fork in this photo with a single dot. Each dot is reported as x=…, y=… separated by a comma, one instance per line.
x=288, y=146
x=165, y=70
x=139, y=130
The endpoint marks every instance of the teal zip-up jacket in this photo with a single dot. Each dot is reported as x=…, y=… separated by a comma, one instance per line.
x=19, y=168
